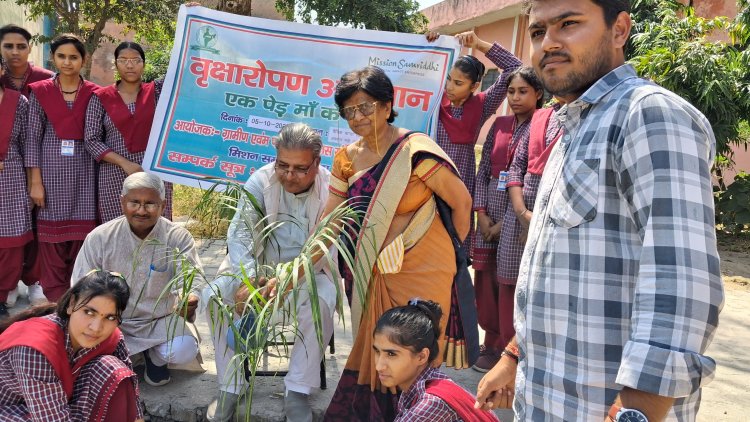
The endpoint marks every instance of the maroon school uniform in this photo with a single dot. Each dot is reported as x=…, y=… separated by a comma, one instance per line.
x=33, y=74
x=459, y=126
x=55, y=146
x=44, y=380
x=526, y=171
x=497, y=154
x=113, y=126
x=31, y=265
x=15, y=205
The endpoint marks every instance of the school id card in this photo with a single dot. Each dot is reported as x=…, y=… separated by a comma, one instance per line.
x=502, y=181
x=67, y=148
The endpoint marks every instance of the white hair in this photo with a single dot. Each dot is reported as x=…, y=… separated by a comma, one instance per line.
x=143, y=180
x=299, y=136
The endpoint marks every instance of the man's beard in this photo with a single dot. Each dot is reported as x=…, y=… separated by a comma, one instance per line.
x=594, y=66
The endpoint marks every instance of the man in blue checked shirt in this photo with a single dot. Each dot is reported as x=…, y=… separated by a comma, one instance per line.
x=619, y=292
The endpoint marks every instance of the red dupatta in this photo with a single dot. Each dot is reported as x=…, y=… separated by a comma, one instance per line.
x=503, y=148
x=136, y=127
x=459, y=400
x=46, y=337
x=538, y=150
x=7, y=116
x=67, y=123
x=33, y=74
x=462, y=131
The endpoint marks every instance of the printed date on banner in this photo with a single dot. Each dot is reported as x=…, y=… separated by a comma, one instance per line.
x=265, y=123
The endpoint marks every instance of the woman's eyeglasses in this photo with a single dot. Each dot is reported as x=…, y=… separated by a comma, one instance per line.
x=366, y=109
x=125, y=62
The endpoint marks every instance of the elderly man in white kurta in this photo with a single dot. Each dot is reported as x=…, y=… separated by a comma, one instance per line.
x=291, y=191
x=150, y=252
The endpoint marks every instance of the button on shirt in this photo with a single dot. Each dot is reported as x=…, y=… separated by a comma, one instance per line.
x=619, y=282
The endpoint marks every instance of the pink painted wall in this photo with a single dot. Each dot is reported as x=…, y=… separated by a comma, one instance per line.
x=493, y=20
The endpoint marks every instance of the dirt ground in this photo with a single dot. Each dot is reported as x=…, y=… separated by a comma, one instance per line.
x=727, y=397
x=735, y=269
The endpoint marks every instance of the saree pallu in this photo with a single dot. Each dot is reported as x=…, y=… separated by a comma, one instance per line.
x=426, y=270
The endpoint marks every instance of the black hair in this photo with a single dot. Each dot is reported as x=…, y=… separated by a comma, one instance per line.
x=471, y=66
x=15, y=29
x=371, y=80
x=94, y=284
x=611, y=8
x=130, y=45
x=531, y=78
x=63, y=39
x=416, y=326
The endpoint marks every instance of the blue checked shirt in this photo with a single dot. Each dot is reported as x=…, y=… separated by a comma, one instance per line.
x=619, y=282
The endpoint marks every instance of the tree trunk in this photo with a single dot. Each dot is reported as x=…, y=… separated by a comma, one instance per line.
x=237, y=7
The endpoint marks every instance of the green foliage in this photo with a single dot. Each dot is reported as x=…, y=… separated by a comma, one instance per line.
x=203, y=221
x=157, y=40
x=86, y=18
x=679, y=51
x=384, y=15
x=733, y=205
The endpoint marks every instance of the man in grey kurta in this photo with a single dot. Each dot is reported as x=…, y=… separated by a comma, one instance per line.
x=161, y=265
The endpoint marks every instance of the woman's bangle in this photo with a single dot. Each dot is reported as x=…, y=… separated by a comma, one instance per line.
x=523, y=213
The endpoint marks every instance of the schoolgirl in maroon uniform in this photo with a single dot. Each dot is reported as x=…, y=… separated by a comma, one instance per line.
x=62, y=173
x=14, y=44
x=68, y=361
x=15, y=206
x=491, y=202
x=19, y=73
x=118, y=123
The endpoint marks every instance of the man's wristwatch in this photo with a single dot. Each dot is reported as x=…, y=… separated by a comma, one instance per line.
x=621, y=414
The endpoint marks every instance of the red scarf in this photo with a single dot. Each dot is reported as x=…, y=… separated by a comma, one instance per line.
x=7, y=117
x=459, y=400
x=503, y=148
x=33, y=74
x=46, y=337
x=538, y=150
x=68, y=124
x=136, y=127
x=462, y=131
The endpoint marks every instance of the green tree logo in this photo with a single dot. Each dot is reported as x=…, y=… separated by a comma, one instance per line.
x=205, y=39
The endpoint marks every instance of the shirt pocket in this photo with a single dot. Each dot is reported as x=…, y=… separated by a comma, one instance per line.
x=576, y=198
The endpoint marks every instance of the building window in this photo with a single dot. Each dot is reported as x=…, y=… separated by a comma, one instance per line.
x=489, y=78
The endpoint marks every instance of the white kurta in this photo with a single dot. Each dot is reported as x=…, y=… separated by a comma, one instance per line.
x=297, y=214
x=150, y=267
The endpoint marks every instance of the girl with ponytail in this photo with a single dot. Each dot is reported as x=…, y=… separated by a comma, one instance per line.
x=405, y=345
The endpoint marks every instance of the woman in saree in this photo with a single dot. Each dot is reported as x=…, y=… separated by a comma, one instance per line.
x=401, y=248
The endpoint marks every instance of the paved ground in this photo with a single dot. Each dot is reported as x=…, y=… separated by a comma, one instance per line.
x=188, y=395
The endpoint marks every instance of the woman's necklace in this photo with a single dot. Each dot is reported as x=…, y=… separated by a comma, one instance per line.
x=59, y=85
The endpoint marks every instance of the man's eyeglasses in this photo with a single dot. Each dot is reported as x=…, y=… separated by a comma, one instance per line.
x=283, y=170
x=125, y=62
x=135, y=206
x=366, y=109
